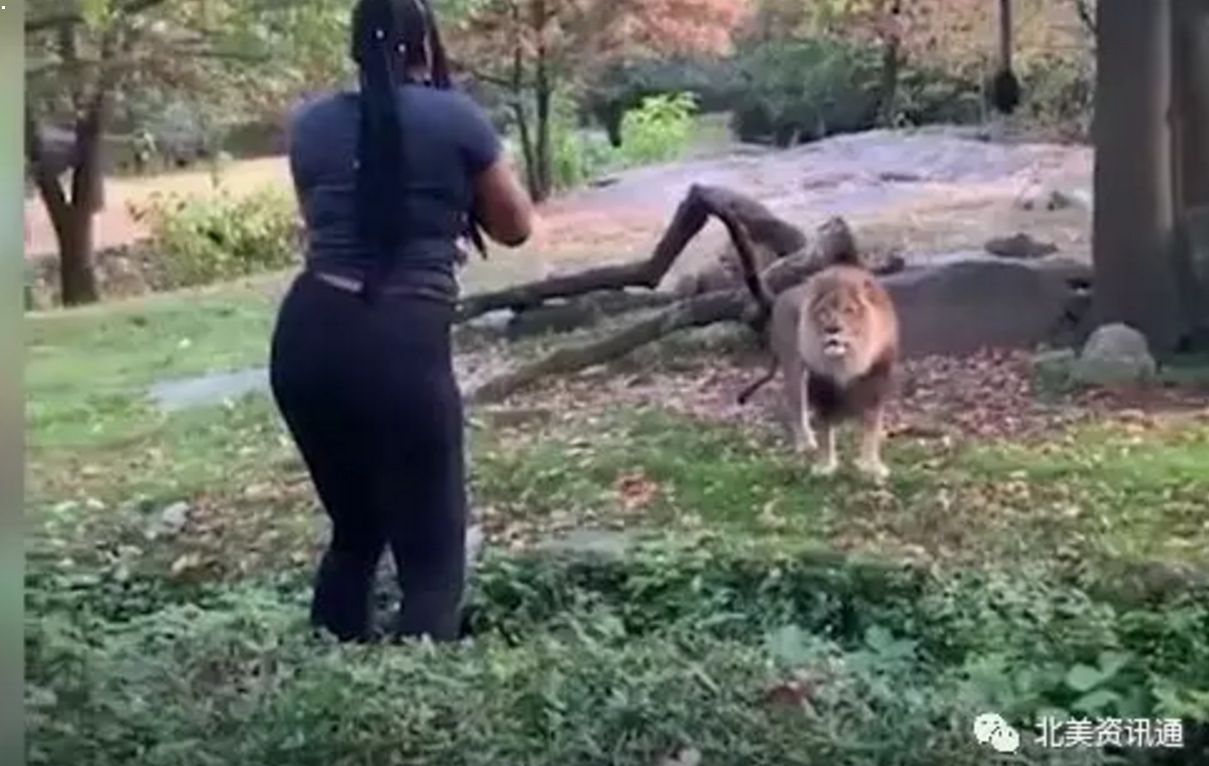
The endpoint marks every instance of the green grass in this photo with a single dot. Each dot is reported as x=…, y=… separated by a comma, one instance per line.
x=88, y=370
x=184, y=646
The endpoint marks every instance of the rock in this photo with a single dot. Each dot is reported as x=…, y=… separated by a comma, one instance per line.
x=171, y=521
x=960, y=304
x=1019, y=246
x=590, y=542
x=1059, y=200
x=208, y=390
x=1040, y=197
x=1074, y=272
x=495, y=322
x=1115, y=354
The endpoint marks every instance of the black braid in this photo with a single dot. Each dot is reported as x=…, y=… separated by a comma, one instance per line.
x=382, y=30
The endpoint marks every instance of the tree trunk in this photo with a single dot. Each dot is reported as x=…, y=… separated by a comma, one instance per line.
x=891, y=63
x=1190, y=88
x=518, y=104
x=545, y=147
x=70, y=218
x=1190, y=162
x=1133, y=216
x=77, y=275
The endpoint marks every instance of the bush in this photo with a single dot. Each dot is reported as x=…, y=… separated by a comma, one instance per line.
x=807, y=90
x=623, y=87
x=928, y=96
x=659, y=130
x=578, y=156
x=583, y=660
x=206, y=239
x=1058, y=93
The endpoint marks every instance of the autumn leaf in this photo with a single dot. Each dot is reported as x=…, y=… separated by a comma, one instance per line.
x=636, y=491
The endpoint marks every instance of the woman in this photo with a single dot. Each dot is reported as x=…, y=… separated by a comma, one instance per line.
x=388, y=178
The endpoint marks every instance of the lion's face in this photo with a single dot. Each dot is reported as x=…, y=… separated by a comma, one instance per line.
x=840, y=316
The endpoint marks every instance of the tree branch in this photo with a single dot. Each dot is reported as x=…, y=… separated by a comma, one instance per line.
x=732, y=208
x=834, y=241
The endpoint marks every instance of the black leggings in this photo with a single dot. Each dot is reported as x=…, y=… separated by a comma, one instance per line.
x=369, y=395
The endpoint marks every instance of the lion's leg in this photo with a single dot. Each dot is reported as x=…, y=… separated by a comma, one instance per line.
x=796, y=406
x=811, y=441
x=872, y=432
x=830, y=461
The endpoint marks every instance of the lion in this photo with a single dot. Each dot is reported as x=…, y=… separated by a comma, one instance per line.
x=835, y=339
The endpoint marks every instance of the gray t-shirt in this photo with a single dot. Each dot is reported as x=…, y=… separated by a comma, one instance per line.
x=447, y=142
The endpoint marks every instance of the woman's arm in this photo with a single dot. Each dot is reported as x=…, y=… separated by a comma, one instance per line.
x=502, y=205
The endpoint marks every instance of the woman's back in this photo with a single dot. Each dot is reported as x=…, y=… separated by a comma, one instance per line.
x=447, y=142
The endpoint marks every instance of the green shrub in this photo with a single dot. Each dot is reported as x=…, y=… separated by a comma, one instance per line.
x=928, y=96
x=206, y=239
x=1058, y=92
x=807, y=89
x=591, y=659
x=578, y=156
x=659, y=130
x=623, y=87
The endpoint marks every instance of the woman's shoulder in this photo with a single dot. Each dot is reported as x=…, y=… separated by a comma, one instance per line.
x=447, y=100
x=319, y=107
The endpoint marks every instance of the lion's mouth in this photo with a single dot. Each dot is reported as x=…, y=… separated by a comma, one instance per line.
x=834, y=347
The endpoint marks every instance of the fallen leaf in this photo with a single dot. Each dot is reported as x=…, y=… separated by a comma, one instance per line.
x=636, y=491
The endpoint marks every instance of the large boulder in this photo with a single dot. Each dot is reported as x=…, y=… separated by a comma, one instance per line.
x=962, y=303
x=1115, y=354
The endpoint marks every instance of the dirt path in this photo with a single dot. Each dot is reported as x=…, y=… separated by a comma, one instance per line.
x=928, y=191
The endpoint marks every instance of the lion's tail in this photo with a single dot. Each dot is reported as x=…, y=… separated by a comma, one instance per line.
x=746, y=394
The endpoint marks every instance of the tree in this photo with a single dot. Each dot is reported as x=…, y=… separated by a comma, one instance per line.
x=1134, y=211
x=533, y=48
x=84, y=57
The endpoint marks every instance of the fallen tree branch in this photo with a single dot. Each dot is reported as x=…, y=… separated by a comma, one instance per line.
x=584, y=311
x=735, y=305
x=698, y=311
x=734, y=209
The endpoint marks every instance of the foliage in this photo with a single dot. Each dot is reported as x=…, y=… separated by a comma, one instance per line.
x=1058, y=93
x=623, y=85
x=205, y=239
x=784, y=656
x=534, y=48
x=808, y=89
x=579, y=156
x=659, y=130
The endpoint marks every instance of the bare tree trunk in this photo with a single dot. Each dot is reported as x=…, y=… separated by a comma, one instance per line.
x=891, y=63
x=1190, y=161
x=518, y=104
x=1190, y=88
x=70, y=218
x=545, y=147
x=1133, y=217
